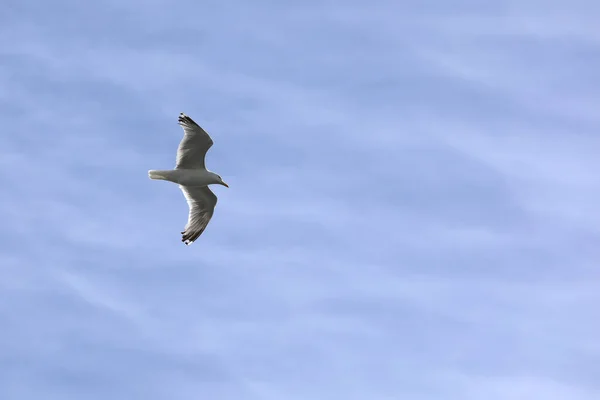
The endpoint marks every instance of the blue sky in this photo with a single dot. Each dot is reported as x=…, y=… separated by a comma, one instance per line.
x=413, y=212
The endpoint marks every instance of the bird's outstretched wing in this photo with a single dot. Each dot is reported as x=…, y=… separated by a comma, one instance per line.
x=202, y=202
x=194, y=145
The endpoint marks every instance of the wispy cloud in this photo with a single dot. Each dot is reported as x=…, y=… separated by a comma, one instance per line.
x=412, y=210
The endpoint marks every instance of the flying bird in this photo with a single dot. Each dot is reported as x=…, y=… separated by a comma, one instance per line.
x=193, y=178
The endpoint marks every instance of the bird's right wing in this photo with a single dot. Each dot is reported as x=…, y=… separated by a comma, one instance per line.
x=194, y=145
x=201, y=201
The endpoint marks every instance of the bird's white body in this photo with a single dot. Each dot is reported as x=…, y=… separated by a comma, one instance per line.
x=186, y=177
x=193, y=178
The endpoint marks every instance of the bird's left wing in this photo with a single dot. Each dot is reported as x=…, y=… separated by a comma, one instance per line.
x=194, y=145
x=201, y=201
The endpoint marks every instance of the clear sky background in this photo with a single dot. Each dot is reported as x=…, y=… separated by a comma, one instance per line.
x=414, y=210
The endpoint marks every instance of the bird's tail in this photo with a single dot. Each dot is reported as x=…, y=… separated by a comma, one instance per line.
x=159, y=174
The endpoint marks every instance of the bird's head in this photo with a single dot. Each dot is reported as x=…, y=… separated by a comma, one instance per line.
x=220, y=181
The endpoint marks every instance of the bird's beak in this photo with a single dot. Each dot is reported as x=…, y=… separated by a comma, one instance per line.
x=224, y=184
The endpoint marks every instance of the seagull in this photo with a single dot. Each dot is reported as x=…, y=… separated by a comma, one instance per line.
x=193, y=178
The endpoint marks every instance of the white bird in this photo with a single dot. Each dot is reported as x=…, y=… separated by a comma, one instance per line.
x=193, y=178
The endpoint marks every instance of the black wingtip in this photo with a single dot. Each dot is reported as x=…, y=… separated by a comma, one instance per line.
x=184, y=119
